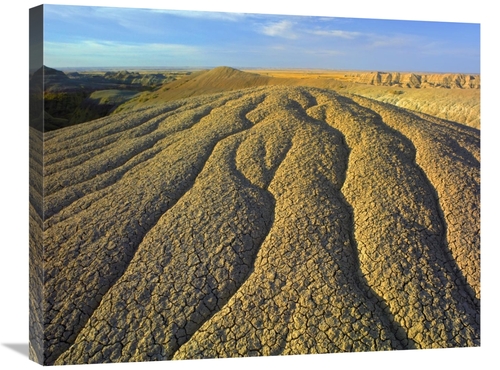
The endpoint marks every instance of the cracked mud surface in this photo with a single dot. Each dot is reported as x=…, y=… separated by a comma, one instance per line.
x=264, y=221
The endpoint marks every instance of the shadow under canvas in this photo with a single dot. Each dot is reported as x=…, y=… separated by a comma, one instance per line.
x=21, y=348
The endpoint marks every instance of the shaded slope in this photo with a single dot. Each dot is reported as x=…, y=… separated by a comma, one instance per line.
x=271, y=220
x=73, y=98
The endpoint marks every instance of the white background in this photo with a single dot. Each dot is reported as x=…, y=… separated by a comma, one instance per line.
x=14, y=179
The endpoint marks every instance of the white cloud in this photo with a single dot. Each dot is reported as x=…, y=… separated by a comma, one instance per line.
x=325, y=52
x=58, y=11
x=337, y=33
x=220, y=16
x=378, y=41
x=279, y=29
x=93, y=53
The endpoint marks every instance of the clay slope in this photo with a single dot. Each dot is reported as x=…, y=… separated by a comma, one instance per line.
x=263, y=221
x=457, y=105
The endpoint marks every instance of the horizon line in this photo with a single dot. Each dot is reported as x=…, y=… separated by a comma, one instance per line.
x=103, y=68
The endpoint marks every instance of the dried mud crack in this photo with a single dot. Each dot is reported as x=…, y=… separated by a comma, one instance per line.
x=262, y=221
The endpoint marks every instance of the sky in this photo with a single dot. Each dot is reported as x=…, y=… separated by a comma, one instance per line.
x=90, y=36
x=14, y=161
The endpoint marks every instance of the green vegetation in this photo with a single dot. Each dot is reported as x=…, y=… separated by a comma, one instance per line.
x=60, y=108
x=64, y=109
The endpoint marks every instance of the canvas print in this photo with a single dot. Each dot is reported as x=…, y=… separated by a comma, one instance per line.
x=212, y=185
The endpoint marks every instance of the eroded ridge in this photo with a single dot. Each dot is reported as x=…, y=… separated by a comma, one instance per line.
x=305, y=294
x=36, y=270
x=91, y=247
x=400, y=234
x=449, y=156
x=276, y=220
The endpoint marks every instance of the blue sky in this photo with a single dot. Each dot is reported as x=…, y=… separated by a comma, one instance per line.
x=127, y=37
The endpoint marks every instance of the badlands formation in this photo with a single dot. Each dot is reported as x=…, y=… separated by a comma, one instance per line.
x=446, y=96
x=264, y=220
